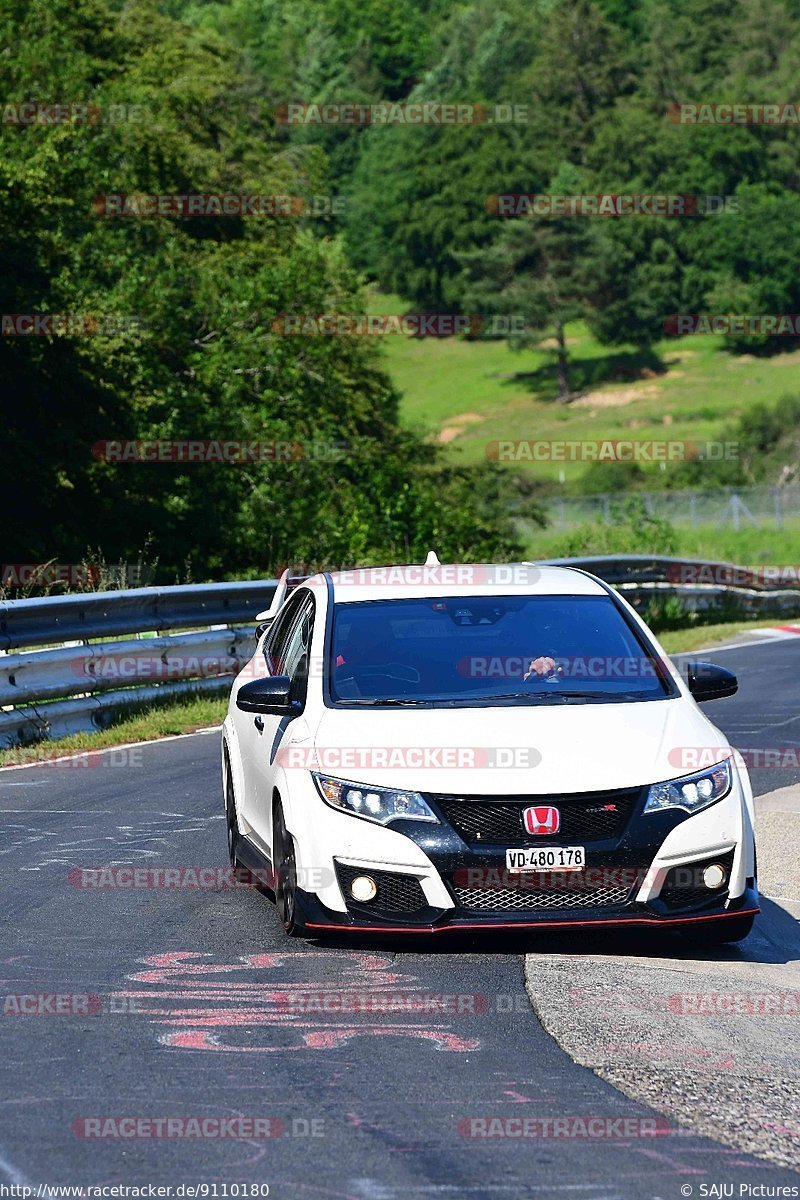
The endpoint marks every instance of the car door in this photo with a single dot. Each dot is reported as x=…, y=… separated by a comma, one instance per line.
x=251, y=729
x=286, y=654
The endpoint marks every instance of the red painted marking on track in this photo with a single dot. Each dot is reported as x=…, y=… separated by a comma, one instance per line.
x=678, y=1167
x=210, y=1003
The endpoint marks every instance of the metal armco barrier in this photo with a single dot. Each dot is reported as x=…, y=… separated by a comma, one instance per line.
x=700, y=586
x=72, y=663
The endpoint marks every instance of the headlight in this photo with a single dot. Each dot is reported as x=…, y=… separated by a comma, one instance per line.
x=693, y=792
x=381, y=805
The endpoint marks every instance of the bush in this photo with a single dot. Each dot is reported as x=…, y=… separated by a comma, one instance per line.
x=631, y=530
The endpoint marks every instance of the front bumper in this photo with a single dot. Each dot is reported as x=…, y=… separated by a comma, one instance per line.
x=635, y=873
x=317, y=917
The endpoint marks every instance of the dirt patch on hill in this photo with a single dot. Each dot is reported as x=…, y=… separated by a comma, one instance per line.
x=614, y=397
x=456, y=425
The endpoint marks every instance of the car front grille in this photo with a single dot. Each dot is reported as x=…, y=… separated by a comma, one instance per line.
x=397, y=893
x=498, y=820
x=527, y=900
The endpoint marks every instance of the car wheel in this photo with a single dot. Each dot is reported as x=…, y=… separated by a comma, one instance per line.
x=231, y=823
x=285, y=868
x=718, y=933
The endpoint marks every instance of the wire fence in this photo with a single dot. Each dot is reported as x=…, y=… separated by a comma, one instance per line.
x=739, y=508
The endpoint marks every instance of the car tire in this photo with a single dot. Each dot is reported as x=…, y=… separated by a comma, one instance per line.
x=719, y=933
x=285, y=868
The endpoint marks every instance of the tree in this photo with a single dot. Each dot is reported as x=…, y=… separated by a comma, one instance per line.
x=417, y=196
x=542, y=270
x=205, y=361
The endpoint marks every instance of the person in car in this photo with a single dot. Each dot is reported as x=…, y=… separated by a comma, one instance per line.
x=541, y=666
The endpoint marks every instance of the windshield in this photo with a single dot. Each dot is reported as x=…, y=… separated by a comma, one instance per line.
x=481, y=650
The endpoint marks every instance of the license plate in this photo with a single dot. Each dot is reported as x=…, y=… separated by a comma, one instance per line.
x=546, y=858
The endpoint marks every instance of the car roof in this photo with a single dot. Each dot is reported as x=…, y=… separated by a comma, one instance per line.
x=414, y=582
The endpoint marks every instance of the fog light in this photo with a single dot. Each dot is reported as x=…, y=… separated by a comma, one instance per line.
x=714, y=876
x=363, y=888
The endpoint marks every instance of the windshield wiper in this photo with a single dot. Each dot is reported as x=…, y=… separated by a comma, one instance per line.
x=559, y=696
x=588, y=695
x=388, y=702
x=530, y=697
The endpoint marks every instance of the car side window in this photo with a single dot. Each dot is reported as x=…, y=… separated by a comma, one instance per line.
x=297, y=649
x=275, y=648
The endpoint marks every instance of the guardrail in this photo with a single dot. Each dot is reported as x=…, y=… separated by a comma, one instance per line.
x=60, y=673
x=699, y=585
x=72, y=663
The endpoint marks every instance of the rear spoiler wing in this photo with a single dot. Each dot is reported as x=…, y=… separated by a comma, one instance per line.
x=286, y=584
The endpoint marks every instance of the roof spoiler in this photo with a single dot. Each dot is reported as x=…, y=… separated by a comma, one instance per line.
x=286, y=584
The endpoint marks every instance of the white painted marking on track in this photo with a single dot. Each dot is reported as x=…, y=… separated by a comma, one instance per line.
x=766, y=637
x=49, y=762
x=11, y=1173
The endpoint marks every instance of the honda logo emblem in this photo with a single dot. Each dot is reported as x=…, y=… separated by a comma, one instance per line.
x=544, y=820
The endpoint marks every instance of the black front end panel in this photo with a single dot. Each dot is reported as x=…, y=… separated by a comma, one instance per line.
x=469, y=847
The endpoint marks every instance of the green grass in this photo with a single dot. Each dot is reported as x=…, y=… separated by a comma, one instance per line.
x=680, y=641
x=689, y=388
x=154, y=722
x=748, y=547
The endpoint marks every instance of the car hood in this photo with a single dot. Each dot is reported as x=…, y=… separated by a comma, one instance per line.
x=517, y=749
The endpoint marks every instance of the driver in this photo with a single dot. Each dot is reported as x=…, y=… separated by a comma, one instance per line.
x=540, y=667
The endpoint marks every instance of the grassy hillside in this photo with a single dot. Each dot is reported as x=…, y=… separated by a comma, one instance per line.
x=469, y=394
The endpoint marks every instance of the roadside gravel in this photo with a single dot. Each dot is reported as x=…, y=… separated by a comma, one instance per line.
x=710, y=1040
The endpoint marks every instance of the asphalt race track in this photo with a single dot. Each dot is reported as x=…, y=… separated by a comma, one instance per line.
x=765, y=714
x=199, y=1008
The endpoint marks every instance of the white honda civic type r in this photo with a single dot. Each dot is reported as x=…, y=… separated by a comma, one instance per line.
x=415, y=750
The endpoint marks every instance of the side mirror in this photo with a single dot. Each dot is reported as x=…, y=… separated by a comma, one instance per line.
x=262, y=628
x=707, y=681
x=269, y=695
